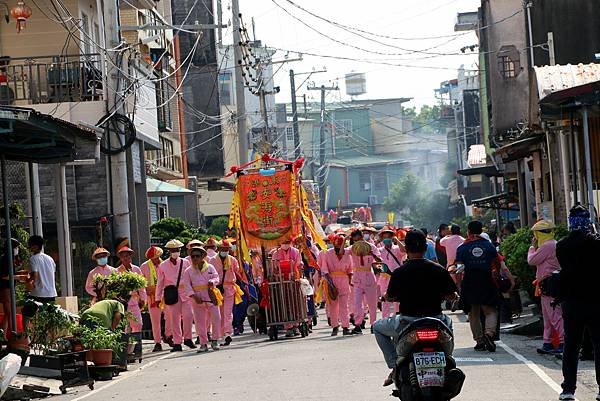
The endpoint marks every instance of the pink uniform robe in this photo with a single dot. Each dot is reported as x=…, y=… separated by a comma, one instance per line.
x=196, y=282
x=545, y=261
x=339, y=271
x=155, y=311
x=181, y=312
x=135, y=322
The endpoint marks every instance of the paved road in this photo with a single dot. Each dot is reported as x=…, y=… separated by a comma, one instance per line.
x=320, y=367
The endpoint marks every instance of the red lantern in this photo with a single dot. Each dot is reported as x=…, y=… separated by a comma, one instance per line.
x=20, y=12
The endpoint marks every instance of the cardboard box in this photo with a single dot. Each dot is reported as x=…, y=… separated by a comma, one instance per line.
x=70, y=304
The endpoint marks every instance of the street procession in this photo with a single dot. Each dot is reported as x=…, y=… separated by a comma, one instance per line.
x=281, y=200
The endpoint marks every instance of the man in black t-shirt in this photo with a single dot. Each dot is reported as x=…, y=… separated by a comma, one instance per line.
x=420, y=286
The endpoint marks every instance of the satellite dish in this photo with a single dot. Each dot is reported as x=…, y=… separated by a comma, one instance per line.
x=252, y=310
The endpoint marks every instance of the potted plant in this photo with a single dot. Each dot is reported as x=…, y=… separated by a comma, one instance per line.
x=47, y=326
x=118, y=285
x=103, y=342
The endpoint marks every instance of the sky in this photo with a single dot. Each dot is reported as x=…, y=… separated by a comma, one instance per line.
x=416, y=36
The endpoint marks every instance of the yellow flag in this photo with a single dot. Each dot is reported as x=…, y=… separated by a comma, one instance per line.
x=391, y=218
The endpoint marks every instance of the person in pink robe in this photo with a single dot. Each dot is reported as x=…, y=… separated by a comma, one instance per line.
x=149, y=270
x=393, y=257
x=364, y=283
x=286, y=254
x=198, y=279
x=211, y=248
x=191, y=244
x=336, y=268
x=138, y=297
x=228, y=269
x=180, y=312
x=100, y=255
x=542, y=255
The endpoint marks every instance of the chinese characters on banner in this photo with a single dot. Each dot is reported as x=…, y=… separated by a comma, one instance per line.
x=266, y=206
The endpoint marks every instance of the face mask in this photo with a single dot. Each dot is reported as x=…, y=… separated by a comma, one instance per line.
x=223, y=254
x=233, y=248
x=174, y=255
x=387, y=241
x=285, y=247
x=16, y=252
x=102, y=261
x=543, y=237
x=367, y=236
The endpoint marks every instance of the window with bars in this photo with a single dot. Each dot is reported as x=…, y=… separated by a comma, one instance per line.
x=225, y=85
x=343, y=128
x=163, y=102
x=166, y=156
x=509, y=62
x=289, y=133
x=364, y=180
x=379, y=181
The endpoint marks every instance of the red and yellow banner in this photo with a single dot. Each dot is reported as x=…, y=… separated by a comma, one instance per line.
x=266, y=204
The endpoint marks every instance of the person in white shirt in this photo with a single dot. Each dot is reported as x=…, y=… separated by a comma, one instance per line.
x=43, y=268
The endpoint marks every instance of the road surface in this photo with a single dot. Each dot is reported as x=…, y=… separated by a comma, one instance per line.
x=321, y=367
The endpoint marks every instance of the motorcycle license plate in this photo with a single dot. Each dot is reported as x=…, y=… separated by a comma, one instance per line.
x=430, y=368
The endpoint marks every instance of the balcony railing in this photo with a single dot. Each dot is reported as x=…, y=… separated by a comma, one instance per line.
x=50, y=79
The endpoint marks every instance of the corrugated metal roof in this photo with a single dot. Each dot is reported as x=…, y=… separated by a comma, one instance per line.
x=362, y=161
x=554, y=78
x=477, y=155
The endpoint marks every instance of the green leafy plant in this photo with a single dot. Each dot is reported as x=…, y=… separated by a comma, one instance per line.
x=49, y=324
x=100, y=337
x=218, y=226
x=515, y=248
x=175, y=228
x=17, y=216
x=119, y=285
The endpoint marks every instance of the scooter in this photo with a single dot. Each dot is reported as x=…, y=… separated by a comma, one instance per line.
x=425, y=369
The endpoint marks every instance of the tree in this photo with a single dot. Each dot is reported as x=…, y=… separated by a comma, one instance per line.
x=168, y=228
x=421, y=208
x=449, y=173
x=218, y=226
x=404, y=194
x=427, y=120
x=433, y=209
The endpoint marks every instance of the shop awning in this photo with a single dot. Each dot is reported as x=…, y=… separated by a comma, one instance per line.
x=161, y=188
x=504, y=201
x=519, y=149
x=29, y=136
x=576, y=97
x=488, y=171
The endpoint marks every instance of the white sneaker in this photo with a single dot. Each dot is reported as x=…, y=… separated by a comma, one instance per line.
x=564, y=396
x=203, y=348
x=214, y=345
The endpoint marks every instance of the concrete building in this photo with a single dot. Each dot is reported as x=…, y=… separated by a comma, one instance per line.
x=536, y=149
x=65, y=75
x=215, y=198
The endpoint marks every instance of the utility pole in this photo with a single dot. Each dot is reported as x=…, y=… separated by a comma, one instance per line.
x=321, y=177
x=240, y=100
x=115, y=102
x=295, y=116
x=295, y=108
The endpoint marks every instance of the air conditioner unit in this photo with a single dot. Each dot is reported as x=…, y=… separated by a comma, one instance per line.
x=373, y=200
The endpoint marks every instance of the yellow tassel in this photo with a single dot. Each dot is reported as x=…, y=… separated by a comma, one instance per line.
x=218, y=296
x=238, y=294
